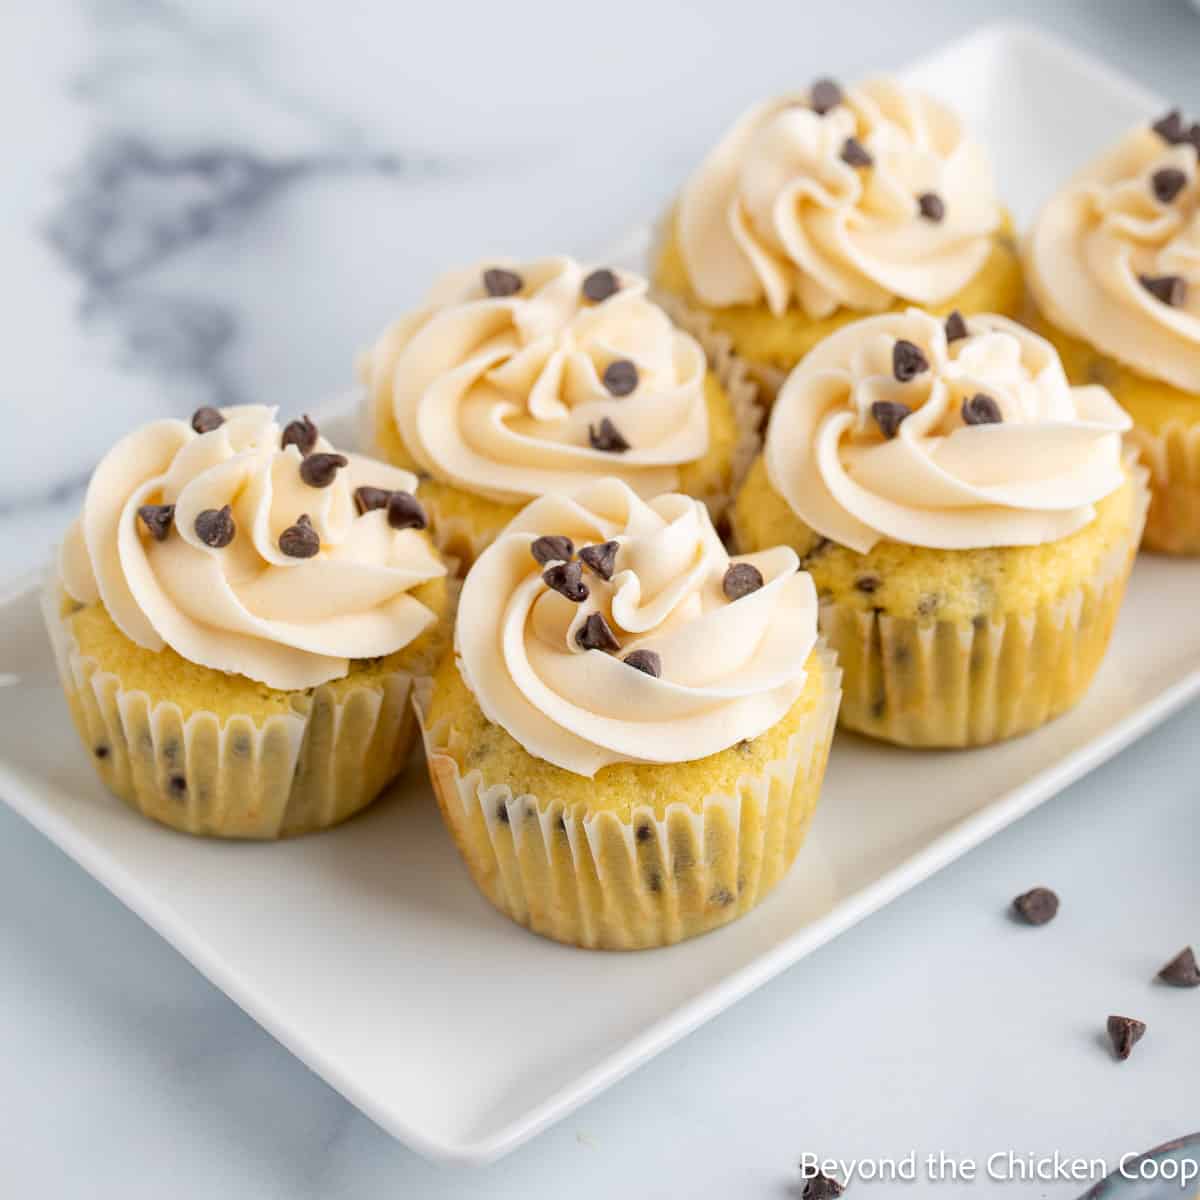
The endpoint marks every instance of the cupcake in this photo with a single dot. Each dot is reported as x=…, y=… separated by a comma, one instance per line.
x=822, y=206
x=969, y=519
x=239, y=615
x=1113, y=263
x=515, y=380
x=628, y=742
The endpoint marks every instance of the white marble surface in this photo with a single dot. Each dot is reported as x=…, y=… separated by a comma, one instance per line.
x=221, y=201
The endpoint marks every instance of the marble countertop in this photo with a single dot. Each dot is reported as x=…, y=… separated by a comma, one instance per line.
x=220, y=202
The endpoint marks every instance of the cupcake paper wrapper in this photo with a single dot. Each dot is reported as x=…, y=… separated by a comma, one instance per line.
x=1173, y=460
x=597, y=881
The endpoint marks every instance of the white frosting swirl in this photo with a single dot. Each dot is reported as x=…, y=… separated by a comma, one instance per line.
x=1106, y=228
x=775, y=212
x=1031, y=478
x=247, y=608
x=730, y=670
x=497, y=394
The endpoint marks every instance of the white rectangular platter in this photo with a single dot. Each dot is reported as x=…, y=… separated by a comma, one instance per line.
x=367, y=952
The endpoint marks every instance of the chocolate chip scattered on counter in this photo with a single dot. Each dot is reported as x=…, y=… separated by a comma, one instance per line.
x=824, y=95
x=367, y=498
x=620, y=377
x=320, y=470
x=981, y=409
x=931, y=206
x=1124, y=1033
x=649, y=662
x=908, y=361
x=301, y=433
x=1166, y=183
x=566, y=578
x=404, y=511
x=1182, y=970
x=552, y=547
x=1170, y=289
x=856, y=154
x=821, y=1187
x=606, y=436
x=601, y=558
x=499, y=282
x=1170, y=127
x=600, y=284
x=868, y=583
x=157, y=519
x=300, y=540
x=596, y=634
x=956, y=327
x=215, y=527
x=1036, y=906
x=741, y=579
x=206, y=419
x=889, y=415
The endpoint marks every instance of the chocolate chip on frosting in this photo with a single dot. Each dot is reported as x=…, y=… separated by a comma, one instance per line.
x=206, y=419
x=888, y=415
x=649, y=662
x=1166, y=183
x=1036, y=906
x=981, y=409
x=157, y=519
x=367, y=498
x=620, y=377
x=1182, y=970
x=956, y=327
x=824, y=95
x=741, y=579
x=600, y=284
x=301, y=433
x=300, y=540
x=601, y=558
x=215, y=527
x=499, y=282
x=606, y=436
x=566, y=578
x=908, y=361
x=855, y=154
x=596, y=634
x=404, y=511
x=1171, y=128
x=1125, y=1033
x=931, y=206
x=1170, y=289
x=320, y=470
x=552, y=547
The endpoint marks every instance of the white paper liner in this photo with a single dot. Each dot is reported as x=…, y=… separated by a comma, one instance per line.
x=1172, y=457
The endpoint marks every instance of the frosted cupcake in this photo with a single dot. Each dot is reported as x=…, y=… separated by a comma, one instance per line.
x=967, y=515
x=629, y=741
x=1114, y=267
x=821, y=206
x=515, y=380
x=239, y=615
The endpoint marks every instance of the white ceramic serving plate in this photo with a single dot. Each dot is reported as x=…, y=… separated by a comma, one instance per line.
x=367, y=951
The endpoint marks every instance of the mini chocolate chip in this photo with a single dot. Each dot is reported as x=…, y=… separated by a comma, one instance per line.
x=931, y=206
x=157, y=519
x=561, y=824
x=981, y=409
x=644, y=831
x=606, y=436
x=1170, y=289
x=1170, y=127
x=600, y=284
x=821, y=1187
x=908, y=361
x=502, y=813
x=367, y=498
x=301, y=433
x=596, y=634
x=929, y=604
x=206, y=419
x=601, y=558
x=649, y=662
x=1037, y=906
x=721, y=897
x=824, y=95
x=499, y=282
x=1125, y=1033
x=300, y=540
x=101, y=751
x=215, y=527
x=741, y=579
x=889, y=414
x=855, y=154
x=620, y=377
x=320, y=470
x=1182, y=970
x=1192, y=136
x=1167, y=183
x=177, y=784
x=566, y=578
x=404, y=511
x=552, y=547
x=956, y=327
x=868, y=583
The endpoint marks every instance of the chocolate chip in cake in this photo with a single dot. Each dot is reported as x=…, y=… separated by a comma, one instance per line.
x=889, y=415
x=600, y=284
x=1166, y=183
x=741, y=579
x=868, y=583
x=646, y=661
x=929, y=604
x=1036, y=906
x=644, y=830
x=1170, y=289
x=821, y=1187
x=981, y=409
x=502, y=813
x=824, y=95
x=1170, y=127
x=566, y=578
x=301, y=433
x=601, y=558
x=606, y=436
x=931, y=206
x=620, y=377
x=300, y=540
x=101, y=751
x=956, y=327
x=499, y=282
x=596, y=634
x=206, y=419
x=1124, y=1033
x=215, y=527
x=368, y=499
x=1182, y=971
x=855, y=154
x=404, y=511
x=177, y=783
x=157, y=519
x=552, y=547
x=320, y=470
x=908, y=361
